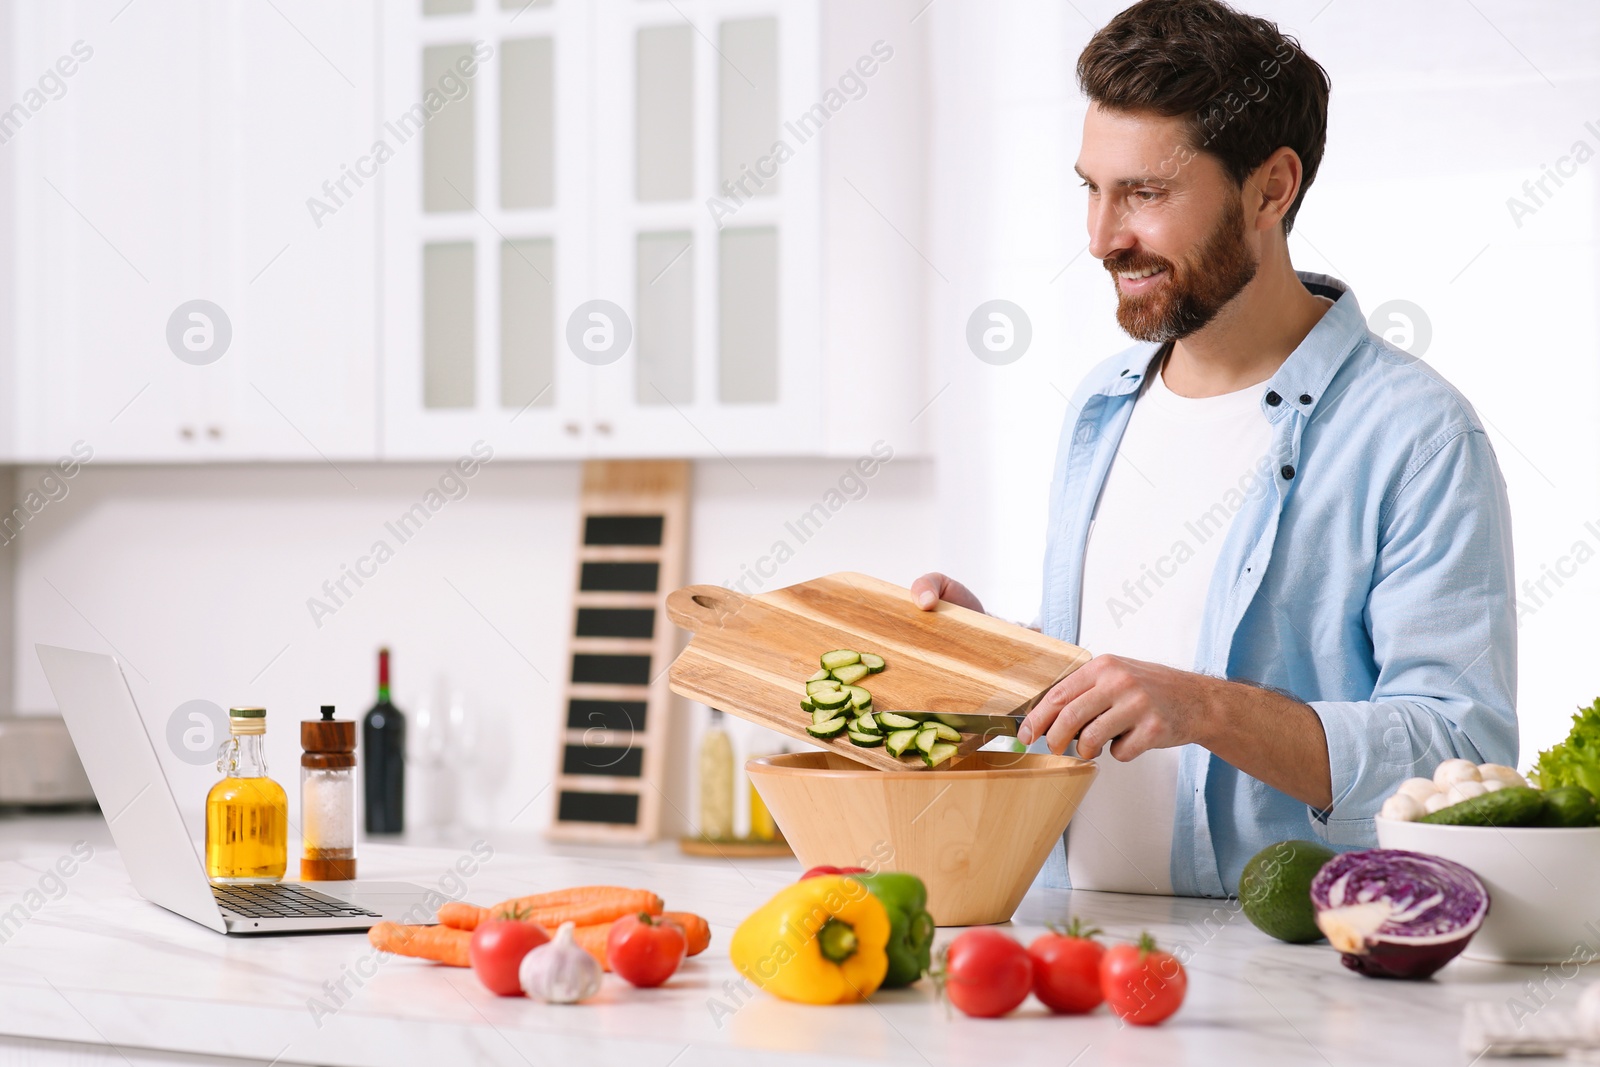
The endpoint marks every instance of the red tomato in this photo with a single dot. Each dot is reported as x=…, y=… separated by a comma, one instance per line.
x=818, y=872
x=644, y=950
x=1142, y=984
x=496, y=951
x=986, y=973
x=1066, y=969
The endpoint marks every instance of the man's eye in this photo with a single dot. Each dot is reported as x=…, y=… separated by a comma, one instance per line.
x=1147, y=195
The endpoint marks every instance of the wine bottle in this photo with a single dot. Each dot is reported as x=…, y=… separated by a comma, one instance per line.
x=383, y=759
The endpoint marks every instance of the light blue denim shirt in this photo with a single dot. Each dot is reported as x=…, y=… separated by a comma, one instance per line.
x=1374, y=584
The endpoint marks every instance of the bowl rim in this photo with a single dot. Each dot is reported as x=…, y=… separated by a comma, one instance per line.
x=769, y=765
x=1432, y=826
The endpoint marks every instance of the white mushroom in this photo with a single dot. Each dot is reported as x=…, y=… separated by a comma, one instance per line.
x=1452, y=771
x=1464, y=791
x=1418, y=788
x=1493, y=785
x=1437, y=801
x=1404, y=807
x=1499, y=772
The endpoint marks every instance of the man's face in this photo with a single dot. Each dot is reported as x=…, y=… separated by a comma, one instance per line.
x=1166, y=221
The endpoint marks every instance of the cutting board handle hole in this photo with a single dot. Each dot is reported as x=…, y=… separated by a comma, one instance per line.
x=703, y=600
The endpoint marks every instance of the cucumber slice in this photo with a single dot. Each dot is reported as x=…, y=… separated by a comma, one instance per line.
x=872, y=663
x=938, y=754
x=821, y=715
x=850, y=674
x=806, y=705
x=898, y=722
x=824, y=686
x=901, y=740
x=859, y=697
x=861, y=740
x=945, y=733
x=830, y=698
x=841, y=657
x=829, y=728
x=927, y=737
x=820, y=676
x=866, y=724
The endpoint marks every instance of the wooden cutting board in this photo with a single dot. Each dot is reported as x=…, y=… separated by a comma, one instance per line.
x=750, y=656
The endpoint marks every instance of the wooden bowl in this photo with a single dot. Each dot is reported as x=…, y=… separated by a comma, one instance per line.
x=976, y=834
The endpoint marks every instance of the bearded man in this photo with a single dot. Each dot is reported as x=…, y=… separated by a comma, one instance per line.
x=1287, y=543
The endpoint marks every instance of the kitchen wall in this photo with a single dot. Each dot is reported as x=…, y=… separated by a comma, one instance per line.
x=199, y=578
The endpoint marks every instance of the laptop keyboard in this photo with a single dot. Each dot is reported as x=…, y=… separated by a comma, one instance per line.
x=279, y=901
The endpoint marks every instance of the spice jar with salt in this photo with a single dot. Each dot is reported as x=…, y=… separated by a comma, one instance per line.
x=327, y=798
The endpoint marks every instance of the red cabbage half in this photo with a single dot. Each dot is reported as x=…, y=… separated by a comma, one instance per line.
x=1397, y=914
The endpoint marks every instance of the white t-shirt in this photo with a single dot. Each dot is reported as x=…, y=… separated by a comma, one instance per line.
x=1183, y=469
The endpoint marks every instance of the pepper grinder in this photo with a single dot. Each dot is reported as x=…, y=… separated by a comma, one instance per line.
x=327, y=799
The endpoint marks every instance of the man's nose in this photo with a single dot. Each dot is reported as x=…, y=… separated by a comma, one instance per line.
x=1107, y=233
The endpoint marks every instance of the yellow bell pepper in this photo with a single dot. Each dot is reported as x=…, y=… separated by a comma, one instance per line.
x=820, y=941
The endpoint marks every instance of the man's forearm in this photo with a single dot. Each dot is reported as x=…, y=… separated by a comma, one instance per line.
x=1271, y=737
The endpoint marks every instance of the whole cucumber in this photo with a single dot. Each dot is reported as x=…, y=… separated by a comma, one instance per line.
x=1515, y=805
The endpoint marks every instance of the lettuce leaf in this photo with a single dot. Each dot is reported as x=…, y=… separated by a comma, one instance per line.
x=1575, y=761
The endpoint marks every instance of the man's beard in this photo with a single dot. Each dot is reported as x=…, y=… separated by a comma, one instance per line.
x=1194, y=292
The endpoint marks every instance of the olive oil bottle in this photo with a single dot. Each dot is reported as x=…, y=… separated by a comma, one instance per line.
x=247, y=813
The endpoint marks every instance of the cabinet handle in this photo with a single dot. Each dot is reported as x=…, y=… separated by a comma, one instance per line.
x=572, y=429
x=186, y=432
x=214, y=432
x=603, y=427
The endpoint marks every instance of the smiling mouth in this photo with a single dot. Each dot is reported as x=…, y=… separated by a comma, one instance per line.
x=1135, y=275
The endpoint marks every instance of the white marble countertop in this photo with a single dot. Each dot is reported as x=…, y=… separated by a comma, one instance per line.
x=101, y=967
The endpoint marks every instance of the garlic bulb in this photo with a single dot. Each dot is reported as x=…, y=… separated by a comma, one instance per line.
x=559, y=972
x=1452, y=771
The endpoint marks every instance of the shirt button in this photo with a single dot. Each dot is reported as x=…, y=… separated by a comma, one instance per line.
x=1305, y=398
x=1287, y=471
x=1273, y=398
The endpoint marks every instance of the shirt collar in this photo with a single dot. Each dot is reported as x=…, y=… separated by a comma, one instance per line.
x=1300, y=382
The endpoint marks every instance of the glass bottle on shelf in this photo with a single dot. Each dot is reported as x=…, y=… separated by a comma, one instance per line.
x=327, y=799
x=716, y=781
x=247, y=813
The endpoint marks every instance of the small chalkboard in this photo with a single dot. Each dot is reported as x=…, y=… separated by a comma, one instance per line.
x=612, y=743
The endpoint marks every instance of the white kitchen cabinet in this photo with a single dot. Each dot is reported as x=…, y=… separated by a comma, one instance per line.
x=178, y=164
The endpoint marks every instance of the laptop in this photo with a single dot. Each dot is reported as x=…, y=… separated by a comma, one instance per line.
x=147, y=823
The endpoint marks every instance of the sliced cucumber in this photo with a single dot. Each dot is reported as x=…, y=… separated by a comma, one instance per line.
x=851, y=673
x=861, y=740
x=841, y=657
x=820, y=676
x=820, y=715
x=892, y=721
x=806, y=705
x=927, y=737
x=866, y=724
x=945, y=733
x=829, y=686
x=829, y=728
x=938, y=754
x=872, y=663
x=830, y=698
x=901, y=740
x=859, y=697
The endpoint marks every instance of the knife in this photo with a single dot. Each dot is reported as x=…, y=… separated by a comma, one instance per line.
x=986, y=725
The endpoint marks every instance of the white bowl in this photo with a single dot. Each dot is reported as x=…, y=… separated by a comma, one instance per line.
x=1543, y=905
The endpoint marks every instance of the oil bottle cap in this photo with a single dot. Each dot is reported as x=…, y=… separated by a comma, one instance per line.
x=247, y=720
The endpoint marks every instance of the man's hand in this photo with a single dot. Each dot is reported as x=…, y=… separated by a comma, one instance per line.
x=931, y=588
x=1128, y=704
x=1132, y=707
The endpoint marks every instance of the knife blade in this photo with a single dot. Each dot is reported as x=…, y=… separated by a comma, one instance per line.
x=986, y=725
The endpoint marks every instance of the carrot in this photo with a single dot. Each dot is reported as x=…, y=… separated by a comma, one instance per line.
x=696, y=933
x=460, y=915
x=439, y=943
x=582, y=907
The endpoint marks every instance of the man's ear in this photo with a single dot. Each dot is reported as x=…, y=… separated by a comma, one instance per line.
x=1271, y=189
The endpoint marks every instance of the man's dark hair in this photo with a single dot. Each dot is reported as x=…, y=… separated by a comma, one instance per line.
x=1245, y=89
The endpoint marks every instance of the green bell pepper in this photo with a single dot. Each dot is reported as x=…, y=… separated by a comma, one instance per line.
x=910, y=946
